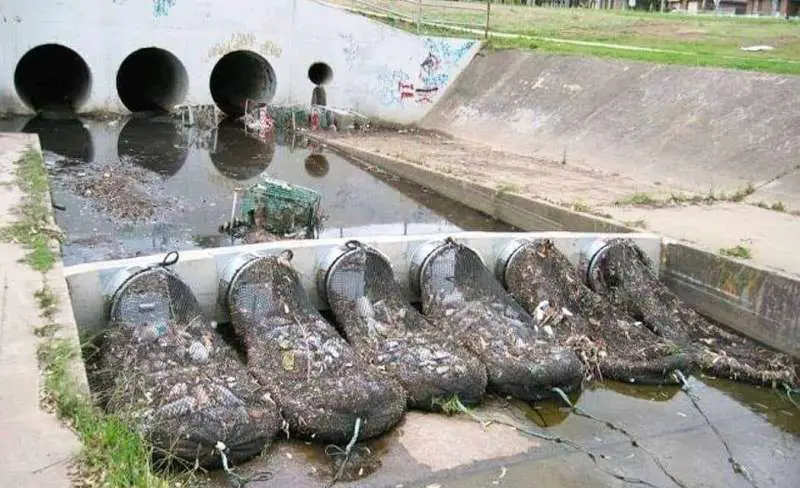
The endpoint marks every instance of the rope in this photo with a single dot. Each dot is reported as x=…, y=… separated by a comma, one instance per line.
x=634, y=442
x=558, y=440
x=237, y=480
x=346, y=452
x=737, y=467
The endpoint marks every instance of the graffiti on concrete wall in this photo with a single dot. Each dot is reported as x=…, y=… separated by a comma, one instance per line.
x=431, y=77
x=161, y=7
x=241, y=41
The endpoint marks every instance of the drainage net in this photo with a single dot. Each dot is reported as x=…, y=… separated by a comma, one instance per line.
x=623, y=274
x=167, y=371
x=320, y=384
x=610, y=344
x=462, y=298
x=385, y=330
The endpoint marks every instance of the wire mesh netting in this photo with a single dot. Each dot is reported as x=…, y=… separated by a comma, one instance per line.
x=610, y=344
x=320, y=384
x=169, y=372
x=386, y=331
x=288, y=209
x=462, y=298
x=627, y=279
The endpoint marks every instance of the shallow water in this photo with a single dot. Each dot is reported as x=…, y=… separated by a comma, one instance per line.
x=189, y=181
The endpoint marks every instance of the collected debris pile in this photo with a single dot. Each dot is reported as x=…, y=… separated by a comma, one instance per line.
x=386, y=331
x=611, y=344
x=167, y=372
x=124, y=191
x=321, y=386
x=463, y=299
x=625, y=277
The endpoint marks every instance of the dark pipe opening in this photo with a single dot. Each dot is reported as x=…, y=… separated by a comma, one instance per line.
x=66, y=137
x=240, y=156
x=153, y=143
x=151, y=79
x=320, y=73
x=52, y=77
x=239, y=77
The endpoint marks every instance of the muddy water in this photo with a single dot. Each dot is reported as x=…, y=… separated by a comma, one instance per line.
x=140, y=186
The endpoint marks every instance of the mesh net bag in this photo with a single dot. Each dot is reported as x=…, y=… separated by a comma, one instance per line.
x=625, y=276
x=168, y=371
x=463, y=299
x=610, y=344
x=386, y=331
x=320, y=384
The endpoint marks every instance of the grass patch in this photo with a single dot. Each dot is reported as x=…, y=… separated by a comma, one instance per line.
x=640, y=199
x=33, y=229
x=112, y=454
x=740, y=251
x=713, y=41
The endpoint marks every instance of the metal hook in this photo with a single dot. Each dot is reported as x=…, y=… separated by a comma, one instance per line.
x=170, y=259
x=353, y=244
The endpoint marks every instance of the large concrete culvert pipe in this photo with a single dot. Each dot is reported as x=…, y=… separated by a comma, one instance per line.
x=240, y=77
x=152, y=79
x=52, y=77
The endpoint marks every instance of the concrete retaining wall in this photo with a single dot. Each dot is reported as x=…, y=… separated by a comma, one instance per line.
x=369, y=60
x=696, y=128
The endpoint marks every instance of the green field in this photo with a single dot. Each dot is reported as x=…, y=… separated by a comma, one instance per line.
x=705, y=40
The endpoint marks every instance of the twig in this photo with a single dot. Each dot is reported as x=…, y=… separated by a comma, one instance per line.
x=737, y=467
x=635, y=443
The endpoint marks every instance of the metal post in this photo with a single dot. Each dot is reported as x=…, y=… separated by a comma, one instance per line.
x=488, y=14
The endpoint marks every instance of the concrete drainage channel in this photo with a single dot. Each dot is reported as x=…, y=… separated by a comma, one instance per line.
x=101, y=290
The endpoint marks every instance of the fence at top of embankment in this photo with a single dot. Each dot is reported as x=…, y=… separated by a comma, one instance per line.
x=468, y=15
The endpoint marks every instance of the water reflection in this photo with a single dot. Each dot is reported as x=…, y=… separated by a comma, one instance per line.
x=239, y=155
x=153, y=143
x=65, y=136
x=773, y=404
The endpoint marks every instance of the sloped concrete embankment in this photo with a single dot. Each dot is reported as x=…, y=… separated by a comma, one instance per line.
x=694, y=128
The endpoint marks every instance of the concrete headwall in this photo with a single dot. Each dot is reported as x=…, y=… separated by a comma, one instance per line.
x=697, y=128
x=369, y=60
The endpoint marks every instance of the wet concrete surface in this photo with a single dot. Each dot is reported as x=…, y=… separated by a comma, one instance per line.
x=138, y=186
x=434, y=450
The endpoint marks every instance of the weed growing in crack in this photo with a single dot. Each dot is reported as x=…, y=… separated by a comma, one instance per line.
x=638, y=224
x=505, y=187
x=740, y=251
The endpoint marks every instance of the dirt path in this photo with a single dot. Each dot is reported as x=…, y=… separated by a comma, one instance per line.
x=715, y=224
